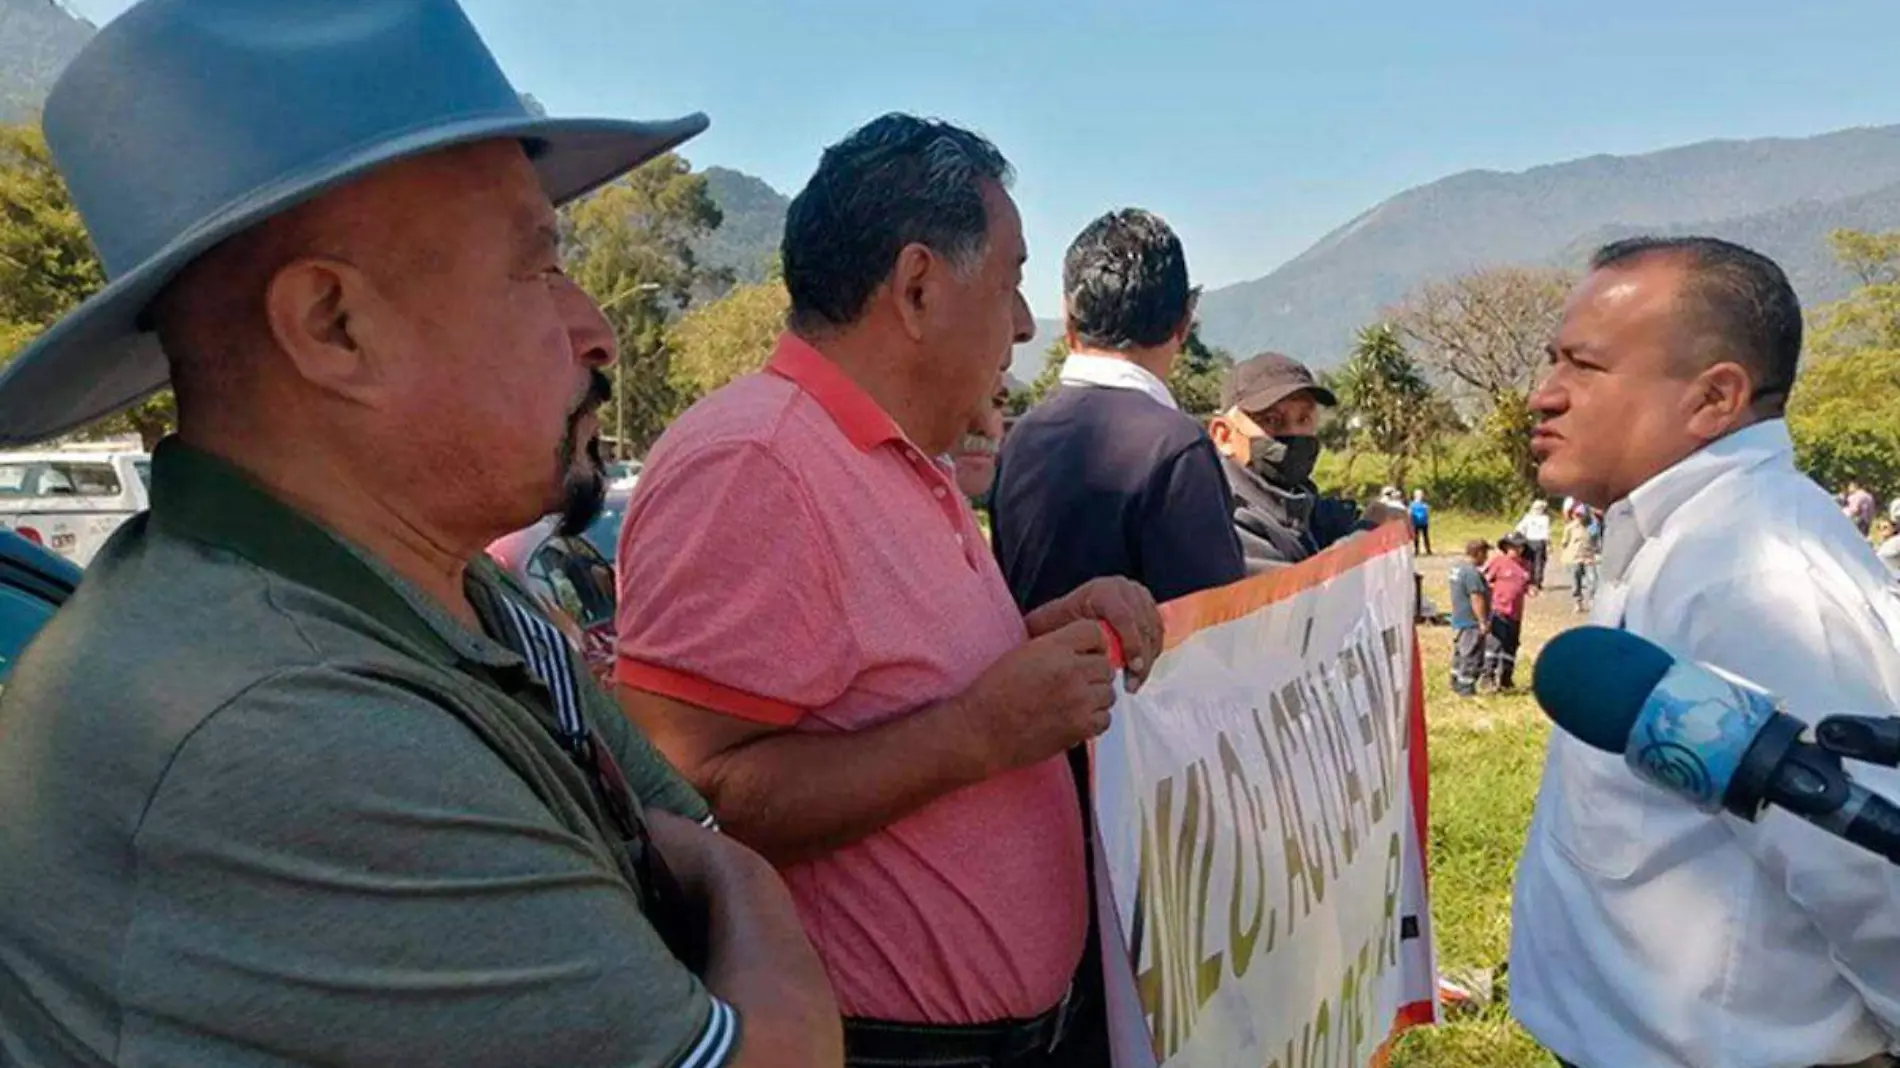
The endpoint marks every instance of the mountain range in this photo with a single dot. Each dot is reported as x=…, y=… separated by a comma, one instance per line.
x=37, y=37
x=1779, y=195
x=753, y=212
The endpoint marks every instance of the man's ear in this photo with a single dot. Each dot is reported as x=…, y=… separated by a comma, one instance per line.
x=1722, y=395
x=1228, y=440
x=911, y=287
x=322, y=313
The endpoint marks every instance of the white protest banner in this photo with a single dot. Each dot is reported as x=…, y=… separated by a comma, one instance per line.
x=1261, y=811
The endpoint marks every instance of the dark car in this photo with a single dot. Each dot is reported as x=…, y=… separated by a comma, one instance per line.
x=33, y=584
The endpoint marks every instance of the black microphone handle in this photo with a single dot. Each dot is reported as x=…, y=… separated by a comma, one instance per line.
x=1810, y=782
x=1868, y=820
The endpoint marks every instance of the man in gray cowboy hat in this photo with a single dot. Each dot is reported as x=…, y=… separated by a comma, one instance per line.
x=297, y=777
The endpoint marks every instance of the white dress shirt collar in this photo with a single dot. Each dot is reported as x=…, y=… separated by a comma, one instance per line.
x=1640, y=516
x=1654, y=501
x=1113, y=372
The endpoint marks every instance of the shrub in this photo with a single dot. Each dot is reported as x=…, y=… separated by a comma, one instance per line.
x=1464, y=473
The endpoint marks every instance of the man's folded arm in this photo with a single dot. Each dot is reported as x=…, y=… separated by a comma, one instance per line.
x=336, y=869
x=794, y=794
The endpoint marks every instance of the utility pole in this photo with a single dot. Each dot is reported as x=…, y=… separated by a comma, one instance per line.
x=622, y=450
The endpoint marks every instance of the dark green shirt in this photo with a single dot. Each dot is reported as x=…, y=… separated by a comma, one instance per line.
x=262, y=802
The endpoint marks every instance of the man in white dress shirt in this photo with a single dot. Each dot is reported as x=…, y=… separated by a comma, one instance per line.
x=1645, y=933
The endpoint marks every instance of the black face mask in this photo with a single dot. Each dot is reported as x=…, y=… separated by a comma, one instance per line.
x=1287, y=460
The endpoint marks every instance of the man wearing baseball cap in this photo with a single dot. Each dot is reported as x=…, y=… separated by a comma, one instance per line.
x=297, y=777
x=1268, y=440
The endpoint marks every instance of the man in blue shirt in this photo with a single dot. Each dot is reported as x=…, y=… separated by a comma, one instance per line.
x=1421, y=524
x=1470, y=617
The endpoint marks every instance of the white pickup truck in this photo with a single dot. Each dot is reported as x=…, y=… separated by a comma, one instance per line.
x=71, y=500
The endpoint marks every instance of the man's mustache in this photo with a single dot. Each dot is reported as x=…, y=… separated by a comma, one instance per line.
x=600, y=391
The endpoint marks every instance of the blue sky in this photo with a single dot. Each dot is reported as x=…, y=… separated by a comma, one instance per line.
x=1253, y=127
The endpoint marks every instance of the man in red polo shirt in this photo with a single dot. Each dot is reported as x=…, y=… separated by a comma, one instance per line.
x=813, y=629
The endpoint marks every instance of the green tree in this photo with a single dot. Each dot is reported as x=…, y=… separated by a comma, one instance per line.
x=1195, y=379
x=1335, y=433
x=732, y=336
x=46, y=262
x=1845, y=419
x=1483, y=335
x=1844, y=413
x=1198, y=375
x=47, y=267
x=631, y=246
x=1045, y=380
x=1872, y=258
x=1388, y=405
x=1869, y=317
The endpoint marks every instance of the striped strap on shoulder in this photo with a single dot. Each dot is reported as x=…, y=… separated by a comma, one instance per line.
x=546, y=651
x=717, y=1042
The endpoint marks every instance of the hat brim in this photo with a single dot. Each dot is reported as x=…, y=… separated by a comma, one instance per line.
x=97, y=360
x=1260, y=401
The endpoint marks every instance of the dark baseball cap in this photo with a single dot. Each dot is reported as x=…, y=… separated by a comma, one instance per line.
x=1256, y=384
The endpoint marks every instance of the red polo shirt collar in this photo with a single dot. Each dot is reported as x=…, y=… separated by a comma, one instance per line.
x=866, y=424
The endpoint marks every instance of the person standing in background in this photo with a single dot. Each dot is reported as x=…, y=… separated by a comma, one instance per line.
x=1421, y=524
x=1535, y=529
x=975, y=454
x=1508, y=574
x=1860, y=507
x=1268, y=437
x=1109, y=476
x=1580, y=555
x=1470, y=617
x=1889, y=550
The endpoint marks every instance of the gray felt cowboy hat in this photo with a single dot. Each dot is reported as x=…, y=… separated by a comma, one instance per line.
x=187, y=121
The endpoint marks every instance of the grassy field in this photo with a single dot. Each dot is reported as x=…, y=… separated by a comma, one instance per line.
x=1486, y=755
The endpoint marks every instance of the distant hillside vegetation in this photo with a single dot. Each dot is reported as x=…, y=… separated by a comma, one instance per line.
x=1781, y=194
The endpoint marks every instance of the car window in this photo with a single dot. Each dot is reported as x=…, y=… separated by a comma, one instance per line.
x=92, y=480
x=144, y=469
x=582, y=580
x=53, y=481
x=59, y=479
x=21, y=617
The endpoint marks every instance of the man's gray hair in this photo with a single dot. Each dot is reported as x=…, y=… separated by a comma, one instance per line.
x=895, y=181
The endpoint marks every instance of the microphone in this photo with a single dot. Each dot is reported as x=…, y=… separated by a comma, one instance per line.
x=1703, y=735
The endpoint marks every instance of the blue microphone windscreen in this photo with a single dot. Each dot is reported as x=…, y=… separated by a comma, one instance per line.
x=1593, y=681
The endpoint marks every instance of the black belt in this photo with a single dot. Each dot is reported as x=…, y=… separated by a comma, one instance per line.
x=878, y=1043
